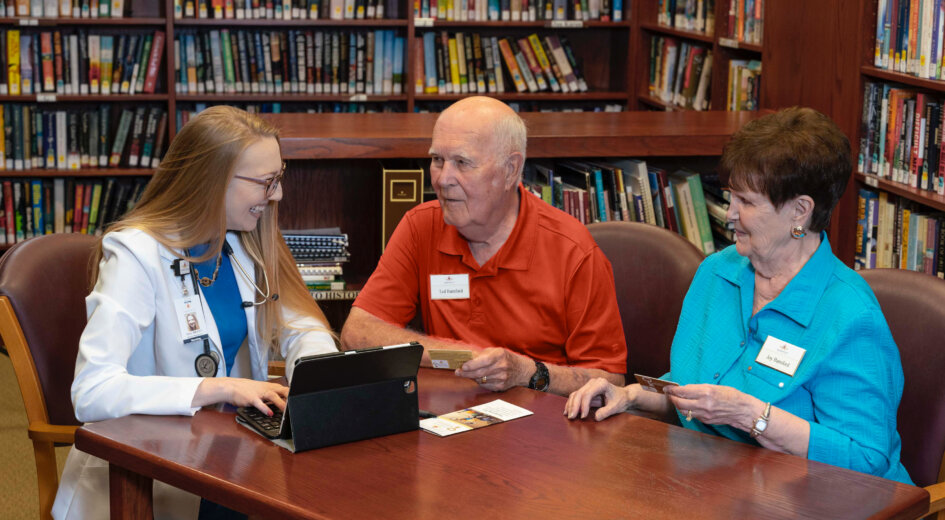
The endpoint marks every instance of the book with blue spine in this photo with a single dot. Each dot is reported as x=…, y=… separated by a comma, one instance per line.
x=398, y=73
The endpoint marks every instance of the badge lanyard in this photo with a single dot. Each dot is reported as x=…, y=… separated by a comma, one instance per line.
x=190, y=314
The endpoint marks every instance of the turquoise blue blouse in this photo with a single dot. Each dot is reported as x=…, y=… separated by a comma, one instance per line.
x=849, y=382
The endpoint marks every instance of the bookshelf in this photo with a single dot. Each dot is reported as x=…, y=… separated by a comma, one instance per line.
x=342, y=155
x=715, y=39
x=868, y=175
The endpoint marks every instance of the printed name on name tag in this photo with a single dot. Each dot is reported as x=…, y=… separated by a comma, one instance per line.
x=449, y=286
x=780, y=355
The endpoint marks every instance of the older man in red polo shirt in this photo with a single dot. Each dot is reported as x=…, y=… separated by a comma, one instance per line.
x=494, y=269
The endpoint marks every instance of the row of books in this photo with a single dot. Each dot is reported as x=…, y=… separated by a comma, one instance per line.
x=680, y=72
x=79, y=63
x=38, y=137
x=745, y=20
x=519, y=10
x=472, y=63
x=63, y=8
x=901, y=136
x=295, y=61
x=629, y=190
x=319, y=255
x=287, y=9
x=909, y=37
x=690, y=15
x=891, y=233
x=33, y=207
x=744, y=85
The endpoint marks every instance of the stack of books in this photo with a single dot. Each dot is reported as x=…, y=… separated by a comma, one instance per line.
x=320, y=255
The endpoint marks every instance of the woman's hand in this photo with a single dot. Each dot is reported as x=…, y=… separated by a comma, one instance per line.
x=241, y=392
x=597, y=392
x=713, y=404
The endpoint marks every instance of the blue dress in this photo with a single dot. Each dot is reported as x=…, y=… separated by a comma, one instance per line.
x=849, y=382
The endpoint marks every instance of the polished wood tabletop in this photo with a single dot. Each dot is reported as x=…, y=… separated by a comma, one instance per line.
x=540, y=465
x=578, y=134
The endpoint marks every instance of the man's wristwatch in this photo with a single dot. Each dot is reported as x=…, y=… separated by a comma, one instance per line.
x=540, y=380
x=761, y=423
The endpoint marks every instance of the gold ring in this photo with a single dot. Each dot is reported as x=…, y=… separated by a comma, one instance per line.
x=482, y=380
x=689, y=416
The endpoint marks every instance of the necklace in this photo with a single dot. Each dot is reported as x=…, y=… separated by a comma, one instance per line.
x=207, y=282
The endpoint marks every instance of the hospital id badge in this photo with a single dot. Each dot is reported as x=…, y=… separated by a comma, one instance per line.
x=189, y=317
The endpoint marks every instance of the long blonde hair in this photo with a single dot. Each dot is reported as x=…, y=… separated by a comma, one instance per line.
x=184, y=205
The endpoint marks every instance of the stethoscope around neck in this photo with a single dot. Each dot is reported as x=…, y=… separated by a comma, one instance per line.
x=228, y=251
x=207, y=363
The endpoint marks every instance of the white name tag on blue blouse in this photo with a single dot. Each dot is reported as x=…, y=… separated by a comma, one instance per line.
x=780, y=355
x=449, y=286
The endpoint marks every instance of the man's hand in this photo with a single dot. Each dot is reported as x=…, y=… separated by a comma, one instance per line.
x=498, y=369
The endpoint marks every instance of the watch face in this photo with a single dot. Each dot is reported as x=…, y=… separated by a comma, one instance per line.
x=761, y=425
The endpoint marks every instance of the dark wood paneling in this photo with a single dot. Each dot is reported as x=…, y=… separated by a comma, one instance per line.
x=812, y=58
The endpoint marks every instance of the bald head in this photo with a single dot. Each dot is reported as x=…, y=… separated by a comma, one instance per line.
x=487, y=116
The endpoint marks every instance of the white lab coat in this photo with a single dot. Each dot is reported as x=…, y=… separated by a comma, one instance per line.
x=132, y=360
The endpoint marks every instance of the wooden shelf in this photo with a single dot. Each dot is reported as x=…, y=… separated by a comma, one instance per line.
x=657, y=102
x=924, y=197
x=85, y=172
x=423, y=23
x=217, y=22
x=261, y=97
x=48, y=22
x=733, y=44
x=586, y=134
x=531, y=96
x=681, y=33
x=97, y=98
x=907, y=79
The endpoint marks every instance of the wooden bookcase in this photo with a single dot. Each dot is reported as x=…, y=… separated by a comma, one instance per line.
x=335, y=160
x=814, y=53
x=723, y=48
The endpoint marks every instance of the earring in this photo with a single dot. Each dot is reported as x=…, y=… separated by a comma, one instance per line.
x=797, y=232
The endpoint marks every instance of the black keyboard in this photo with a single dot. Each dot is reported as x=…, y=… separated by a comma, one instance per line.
x=271, y=427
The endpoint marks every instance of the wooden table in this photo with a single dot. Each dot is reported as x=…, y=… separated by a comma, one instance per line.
x=541, y=465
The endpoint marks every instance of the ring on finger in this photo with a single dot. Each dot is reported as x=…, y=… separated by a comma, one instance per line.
x=688, y=415
x=482, y=380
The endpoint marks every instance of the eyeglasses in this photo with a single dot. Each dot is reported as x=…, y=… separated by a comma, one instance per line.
x=271, y=184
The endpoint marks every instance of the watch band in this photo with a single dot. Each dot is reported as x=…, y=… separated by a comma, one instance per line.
x=761, y=423
x=540, y=380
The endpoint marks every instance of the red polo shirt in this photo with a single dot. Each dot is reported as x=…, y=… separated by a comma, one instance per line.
x=548, y=293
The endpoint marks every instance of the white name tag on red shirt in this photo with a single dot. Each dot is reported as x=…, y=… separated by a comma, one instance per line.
x=780, y=355
x=449, y=286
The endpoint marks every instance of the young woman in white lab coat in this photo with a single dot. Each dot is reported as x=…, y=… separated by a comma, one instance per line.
x=159, y=342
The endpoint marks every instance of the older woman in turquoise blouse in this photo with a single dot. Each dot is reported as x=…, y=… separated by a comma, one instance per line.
x=779, y=342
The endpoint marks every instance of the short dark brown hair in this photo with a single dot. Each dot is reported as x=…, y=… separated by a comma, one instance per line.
x=796, y=151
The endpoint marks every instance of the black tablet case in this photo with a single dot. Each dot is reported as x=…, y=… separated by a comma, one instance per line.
x=354, y=395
